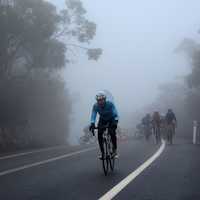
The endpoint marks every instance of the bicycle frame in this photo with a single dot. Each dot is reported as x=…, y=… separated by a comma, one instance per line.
x=170, y=132
x=157, y=133
x=108, y=160
x=147, y=131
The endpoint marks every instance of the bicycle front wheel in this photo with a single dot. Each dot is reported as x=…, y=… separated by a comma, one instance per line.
x=111, y=157
x=157, y=135
x=112, y=163
x=105, y=160
x=170, y=134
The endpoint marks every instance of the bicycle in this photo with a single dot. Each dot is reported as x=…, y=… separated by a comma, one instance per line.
x=157, y=135
x=108, y=161
x=147, y=132
x=170, y=133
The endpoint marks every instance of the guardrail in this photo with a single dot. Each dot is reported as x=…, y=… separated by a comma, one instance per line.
x=196, y=132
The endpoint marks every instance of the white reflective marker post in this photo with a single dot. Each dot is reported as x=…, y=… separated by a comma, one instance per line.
x=194, y=132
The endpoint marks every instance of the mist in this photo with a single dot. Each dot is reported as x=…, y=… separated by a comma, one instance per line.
x=55, y=58
x=74, y=48
x=138, y=41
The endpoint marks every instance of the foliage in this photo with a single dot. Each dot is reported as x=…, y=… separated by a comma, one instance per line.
x=35, y=43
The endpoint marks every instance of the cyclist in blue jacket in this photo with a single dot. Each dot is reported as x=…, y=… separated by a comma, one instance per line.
x=108, y=116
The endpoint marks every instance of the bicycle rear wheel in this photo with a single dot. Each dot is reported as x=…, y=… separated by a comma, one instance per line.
x=171, y=137
x=170, y=134
x=111, y=157
x=157, y=135
x=105, y=160
x=147, y=134
x=112, y=163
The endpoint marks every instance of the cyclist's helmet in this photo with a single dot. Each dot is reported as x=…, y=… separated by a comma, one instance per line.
x=101, y=95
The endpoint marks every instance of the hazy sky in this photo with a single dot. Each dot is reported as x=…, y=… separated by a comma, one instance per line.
x=138, y=39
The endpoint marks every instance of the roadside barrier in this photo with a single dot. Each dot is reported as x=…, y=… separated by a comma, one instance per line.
x=196, y=132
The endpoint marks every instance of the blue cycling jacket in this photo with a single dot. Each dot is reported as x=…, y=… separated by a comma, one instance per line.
x=170, y=116
x=106, y=113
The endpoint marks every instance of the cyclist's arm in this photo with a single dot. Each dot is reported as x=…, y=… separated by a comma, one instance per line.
x=115, y=112
x=94, y=114
x=175, y=118
x=142, y=121
x=176, y=124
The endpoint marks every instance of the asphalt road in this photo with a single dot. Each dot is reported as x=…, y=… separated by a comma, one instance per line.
x=76, y=173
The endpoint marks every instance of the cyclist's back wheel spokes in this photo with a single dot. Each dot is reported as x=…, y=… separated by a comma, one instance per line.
x=147, y=134
x=112, y=163
x=111, y=157
x=105, y=160
x=157, y=135
x=170, y=135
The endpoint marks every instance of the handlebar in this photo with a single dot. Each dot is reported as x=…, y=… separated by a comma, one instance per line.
x=99, y=127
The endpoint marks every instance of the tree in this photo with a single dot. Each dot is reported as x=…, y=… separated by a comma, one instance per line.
x=36, y=41
x=36, y=34
x=192, y=50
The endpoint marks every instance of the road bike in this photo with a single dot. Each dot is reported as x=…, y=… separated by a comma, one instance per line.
x=157, y=134
x=147, y=132
x=108, y=160
x=170, y=132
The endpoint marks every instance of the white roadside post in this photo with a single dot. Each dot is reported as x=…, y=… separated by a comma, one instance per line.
x=194, y=131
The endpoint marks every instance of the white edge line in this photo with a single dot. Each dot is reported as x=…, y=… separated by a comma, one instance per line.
x=122, y=184
x=31, y=152
x=44, y=161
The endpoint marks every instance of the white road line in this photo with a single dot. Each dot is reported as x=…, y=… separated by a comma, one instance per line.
x=44, y=161
x=121, y=185
x=31, y=152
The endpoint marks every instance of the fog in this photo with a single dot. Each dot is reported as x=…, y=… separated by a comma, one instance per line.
x=138, y=39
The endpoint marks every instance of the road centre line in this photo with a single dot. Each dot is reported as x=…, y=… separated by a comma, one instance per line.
x=122, y=184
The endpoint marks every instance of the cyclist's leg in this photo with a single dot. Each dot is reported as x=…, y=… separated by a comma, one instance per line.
x=146, y=133
x=100, y=140
x=168, y=132
x=159, y=133
x=154, y=130
x=156, y=134
x=174, y=128
x=172, y=133
x=100, y=135
x=112, y=132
